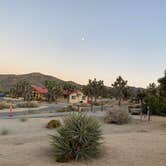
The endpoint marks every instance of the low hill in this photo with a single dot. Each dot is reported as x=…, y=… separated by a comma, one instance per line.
x=7, y=81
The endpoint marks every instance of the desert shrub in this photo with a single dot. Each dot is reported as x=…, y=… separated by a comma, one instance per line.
x=157, y=105
x=82, y=105
x=27, y=105
x=4, y=132
x=23, y=119
x=96, y=103
x=4, y=105
x=53, y=124
x=117, y=116
x=78, y=138
x=69, y=108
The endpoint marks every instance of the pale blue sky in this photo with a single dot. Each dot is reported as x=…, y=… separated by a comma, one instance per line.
x=121, y=37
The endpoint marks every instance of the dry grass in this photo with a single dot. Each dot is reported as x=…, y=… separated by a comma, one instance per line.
x=23, y=119
x=4, y=132
x=27, y=105
x=4, y=105
x=69, y=108
x=118, y=116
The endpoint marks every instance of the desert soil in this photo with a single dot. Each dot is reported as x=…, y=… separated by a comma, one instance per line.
x=135, y=144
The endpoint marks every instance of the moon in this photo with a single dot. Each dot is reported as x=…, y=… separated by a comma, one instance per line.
x=82, y=38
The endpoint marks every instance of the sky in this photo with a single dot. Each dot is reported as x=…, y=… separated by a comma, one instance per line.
x=84, y=39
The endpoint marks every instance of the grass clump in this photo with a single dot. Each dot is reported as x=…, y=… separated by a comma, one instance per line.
x=79, y=138
x=53, y=124
x=23, y=119
x=118, y=116
x=4, y=132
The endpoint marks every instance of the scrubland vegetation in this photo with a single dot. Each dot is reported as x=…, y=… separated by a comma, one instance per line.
x=80, y=136
x=53, y=124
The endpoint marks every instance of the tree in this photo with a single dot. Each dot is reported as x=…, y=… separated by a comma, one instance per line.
x=127, y=93
x=162, y=86
x=22, y=89
x=54, y=91
x=152, y=90
x=68, y=87
x=94, y=89
x=120, y=87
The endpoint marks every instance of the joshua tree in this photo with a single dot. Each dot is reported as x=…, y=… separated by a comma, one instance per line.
x=22, y=89
x=152, y=90
x=120, y=87
x=69, y=87
x=54, y=91
x=94, y=89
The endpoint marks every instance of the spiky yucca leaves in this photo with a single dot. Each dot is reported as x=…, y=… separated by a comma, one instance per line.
x=78, y=138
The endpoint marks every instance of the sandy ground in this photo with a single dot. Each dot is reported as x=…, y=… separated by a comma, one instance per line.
x=135, y=144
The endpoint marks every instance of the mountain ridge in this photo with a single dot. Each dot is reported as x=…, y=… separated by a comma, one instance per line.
x=7, y=81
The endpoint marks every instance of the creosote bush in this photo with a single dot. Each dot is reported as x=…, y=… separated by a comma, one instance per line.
x=117, y=116
x=4, y=132
x=53, y=124
x=23, y=119
x=78, y=138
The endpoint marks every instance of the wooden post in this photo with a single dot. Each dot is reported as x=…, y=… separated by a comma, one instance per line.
x=149, y=113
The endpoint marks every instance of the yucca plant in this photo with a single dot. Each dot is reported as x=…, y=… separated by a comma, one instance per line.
x=78, y=138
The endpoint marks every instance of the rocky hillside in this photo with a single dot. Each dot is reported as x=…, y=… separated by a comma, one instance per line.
x=8, y=80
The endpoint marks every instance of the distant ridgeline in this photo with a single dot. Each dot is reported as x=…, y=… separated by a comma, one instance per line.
x=7, y=81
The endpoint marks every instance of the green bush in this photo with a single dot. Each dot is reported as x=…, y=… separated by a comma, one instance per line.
x=53, y=124
x=117, y=116
x=157, y=105
x=79, y=138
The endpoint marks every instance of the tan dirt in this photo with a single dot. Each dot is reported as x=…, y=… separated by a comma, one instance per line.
x=135, y=144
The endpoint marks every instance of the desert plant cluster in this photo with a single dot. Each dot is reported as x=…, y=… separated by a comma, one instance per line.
x=78, y=138
x=52, y=124
x=25, y=104
x=117, y=116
